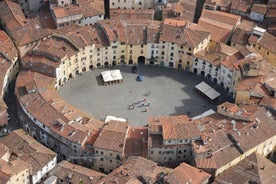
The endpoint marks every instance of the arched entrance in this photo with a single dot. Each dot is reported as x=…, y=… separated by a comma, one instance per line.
x=70, y=75
x=106, y=64
x=141, y=60
x=209, y=76
x=130, y=62
x=91, y=67
x=77, y=72
x=98, y=65
x=114, y=63
x=195, y=70
x=84, y=69
x=122, y=59
x=215, y=80
x=202, y=73
x=179, y=66
x=170, y=64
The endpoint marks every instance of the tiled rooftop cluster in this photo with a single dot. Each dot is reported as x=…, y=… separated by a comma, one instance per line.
x=8, y=58
x=23, y=159
x=214, y=145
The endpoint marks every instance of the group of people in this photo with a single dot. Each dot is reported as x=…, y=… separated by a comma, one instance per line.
x=141, y=103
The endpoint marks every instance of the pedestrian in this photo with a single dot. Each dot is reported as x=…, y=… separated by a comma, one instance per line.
x=147, y=109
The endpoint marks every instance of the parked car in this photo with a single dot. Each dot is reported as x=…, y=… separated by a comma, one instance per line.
x=140, y=78
x=134, y=69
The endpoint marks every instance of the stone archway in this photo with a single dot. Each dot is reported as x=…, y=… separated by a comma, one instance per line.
x=84, y=69
x=141, y=60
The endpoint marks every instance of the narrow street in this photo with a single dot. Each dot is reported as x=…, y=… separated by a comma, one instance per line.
x=11, y=103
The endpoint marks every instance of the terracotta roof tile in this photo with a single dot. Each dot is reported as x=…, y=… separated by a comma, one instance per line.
x=23, y=145
x=253, y=168
x=136, y=142
x=221, y=17
x=183, y=36
x=185, y=173
x=132, y=14
x=64, y=170
x=135, y=169
x=242, y=6
x=268, y=41
x=113, y=136
x=259, y=8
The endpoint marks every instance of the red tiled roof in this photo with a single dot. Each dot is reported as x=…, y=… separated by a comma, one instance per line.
x=28, y=150
x=259, y=8
x=254, y=167
x=113, y=136
x=78, y=173
x=268, y=42
x=185, y=173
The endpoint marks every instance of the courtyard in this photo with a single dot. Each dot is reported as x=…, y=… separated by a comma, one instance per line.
x=163, y=92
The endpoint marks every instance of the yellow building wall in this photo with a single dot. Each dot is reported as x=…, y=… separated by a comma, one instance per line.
x=270, y=56
x=21, y=177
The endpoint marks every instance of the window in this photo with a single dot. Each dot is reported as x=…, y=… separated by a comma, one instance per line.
x=163, y=53
x=151, y=152
x=101, y=159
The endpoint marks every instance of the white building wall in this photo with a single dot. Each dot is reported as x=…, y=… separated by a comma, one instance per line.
x=226, y=78
x=42, y=173
x=204, y=68
x=90, y=20
x=152, y=50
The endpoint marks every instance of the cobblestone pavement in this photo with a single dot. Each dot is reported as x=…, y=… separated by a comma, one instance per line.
x=163, y=92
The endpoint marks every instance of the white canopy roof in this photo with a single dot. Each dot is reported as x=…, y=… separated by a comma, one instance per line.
x=111, y=75
x=210, y=92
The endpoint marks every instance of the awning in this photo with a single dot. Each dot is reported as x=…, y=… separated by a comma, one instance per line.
x=207, y=90
x=112, y=76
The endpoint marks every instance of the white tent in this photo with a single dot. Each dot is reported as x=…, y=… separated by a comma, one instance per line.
x=207, y=90
x=112, y=76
